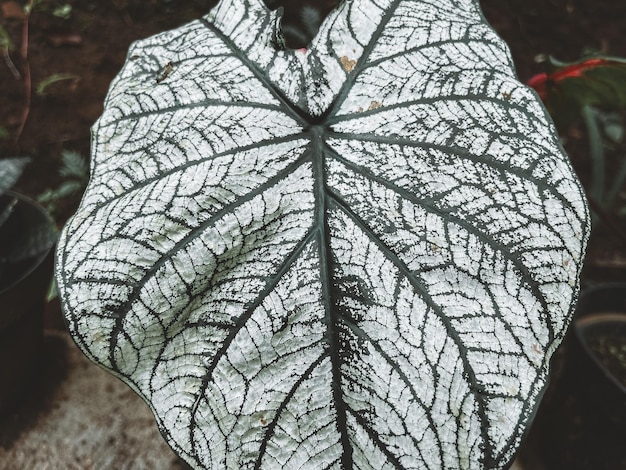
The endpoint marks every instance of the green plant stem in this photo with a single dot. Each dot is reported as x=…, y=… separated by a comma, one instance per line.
x=596, y=150
x=27, y=78
x=7, y=59
x=617, y=185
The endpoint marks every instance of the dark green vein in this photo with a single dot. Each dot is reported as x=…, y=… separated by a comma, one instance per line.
x=409, y=142
x=231, y=152
x=191, y=236
x=450, y=218
x=201, y=104
x=464, y=40
x=470, y=98
x=272, y=426
x=377, y=441
x=295, y=112
x=452, y=333
x=502, y=167
x=367, y=51
x=326, y=278
x=396, y=367
x=271, y=284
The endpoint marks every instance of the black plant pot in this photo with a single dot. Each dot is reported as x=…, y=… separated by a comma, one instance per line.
x=603, y=337
x=26, y=240
x=583, y=422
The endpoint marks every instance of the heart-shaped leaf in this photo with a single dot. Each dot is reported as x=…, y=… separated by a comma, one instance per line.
x=358, y=256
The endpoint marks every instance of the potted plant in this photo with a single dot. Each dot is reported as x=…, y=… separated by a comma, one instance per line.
x=601, y=331
x=361, y=254
x=27, y=234
x=593, y=91
x=583, y=421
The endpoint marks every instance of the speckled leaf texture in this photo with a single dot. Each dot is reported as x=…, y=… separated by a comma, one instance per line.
x=357, y=256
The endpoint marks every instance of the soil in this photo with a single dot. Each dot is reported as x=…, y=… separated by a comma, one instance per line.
x=88, y=48
x=611, y=352
x=607, y=343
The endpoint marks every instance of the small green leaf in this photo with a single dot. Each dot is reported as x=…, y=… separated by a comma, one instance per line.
x=10, y=171
x=615, y=132
x=5, y=40
x=74, y=165
x=612, y=125
x=63, y=11
x=54, y=78
x=53, y=292
x=66, y=188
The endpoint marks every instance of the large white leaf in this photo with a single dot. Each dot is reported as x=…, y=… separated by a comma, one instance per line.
x=361, y=256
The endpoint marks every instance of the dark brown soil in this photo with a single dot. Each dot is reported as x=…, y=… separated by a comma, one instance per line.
x=607, y=343
x=90, y=47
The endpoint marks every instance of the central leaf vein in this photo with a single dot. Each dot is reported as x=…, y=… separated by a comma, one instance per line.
x=451, y=331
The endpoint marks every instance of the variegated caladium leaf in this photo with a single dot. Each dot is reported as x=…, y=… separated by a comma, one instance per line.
x=358, y=256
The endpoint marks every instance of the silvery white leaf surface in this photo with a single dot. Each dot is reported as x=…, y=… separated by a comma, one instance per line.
x=358, y=256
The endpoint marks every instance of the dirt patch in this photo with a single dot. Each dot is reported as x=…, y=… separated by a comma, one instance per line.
x=80, y=417
x=88, y=48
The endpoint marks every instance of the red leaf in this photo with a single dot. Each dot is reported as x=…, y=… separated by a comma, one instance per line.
x=539, y=83
x=577, y=70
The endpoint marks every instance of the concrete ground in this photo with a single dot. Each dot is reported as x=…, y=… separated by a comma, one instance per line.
x=79, y=417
